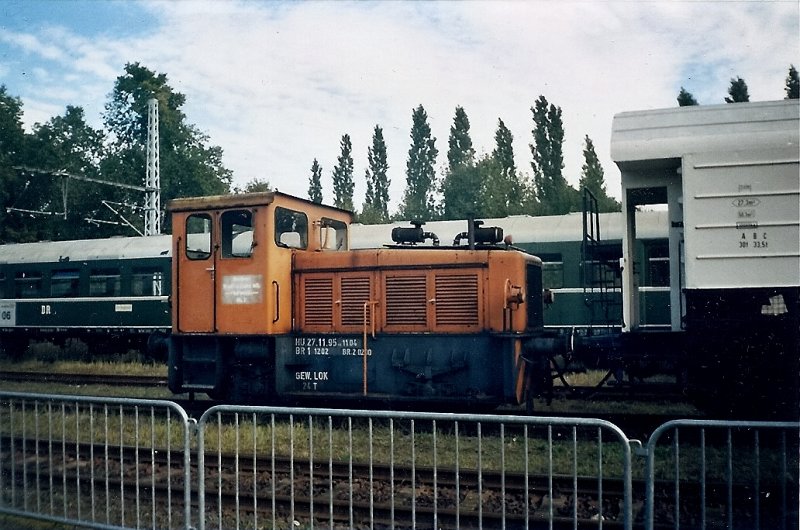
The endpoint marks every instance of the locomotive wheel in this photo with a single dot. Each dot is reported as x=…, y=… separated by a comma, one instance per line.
x=157, y=347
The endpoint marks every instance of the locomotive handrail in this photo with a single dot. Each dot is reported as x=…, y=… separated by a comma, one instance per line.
x=367, y=304
x=277, y=301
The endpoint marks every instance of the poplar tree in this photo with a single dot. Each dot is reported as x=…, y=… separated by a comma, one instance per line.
x=315, y=183
x=738, y=91
x=420, y=171
x=462, y=186
x=504, y=192
x=554, y=195
x=593, y=179
x=792, y=84
x=376, y=201
x=686, y=99
x=343, y=176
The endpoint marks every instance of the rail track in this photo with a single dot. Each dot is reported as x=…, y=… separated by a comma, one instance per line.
x=637, y=418
x=286, y=492
x=643, y=392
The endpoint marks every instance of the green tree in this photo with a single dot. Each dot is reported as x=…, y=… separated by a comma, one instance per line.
x=13, y=228
x=792, y=84
x=593, y=179
x=686, y=99
x=461, y=186
x=189, y=165
x=504, y=191
x=554, y=195
x=315, y=183
x=376, y=201
x=737, y=91
x=255, y=185
x=343, y=176
x=68, y=144
x=420, y=171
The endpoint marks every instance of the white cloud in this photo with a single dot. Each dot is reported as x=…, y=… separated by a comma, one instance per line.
x=277, y=84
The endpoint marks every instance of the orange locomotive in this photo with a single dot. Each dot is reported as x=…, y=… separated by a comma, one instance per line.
x=270, y=304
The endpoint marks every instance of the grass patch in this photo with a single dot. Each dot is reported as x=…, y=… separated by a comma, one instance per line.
x=99, y=367
x=88, y=390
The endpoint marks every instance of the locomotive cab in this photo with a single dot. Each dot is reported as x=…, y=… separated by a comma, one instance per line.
x=232, y=292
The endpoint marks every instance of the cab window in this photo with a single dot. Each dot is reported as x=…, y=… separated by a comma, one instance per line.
x=237, y=234
x=291, y=228
x=198, y=236
x=332, y=234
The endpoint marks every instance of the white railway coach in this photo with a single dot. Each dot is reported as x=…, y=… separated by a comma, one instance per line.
x=729, y=179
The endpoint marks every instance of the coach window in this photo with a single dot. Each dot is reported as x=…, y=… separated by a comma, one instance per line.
x=198, y=236
x=552, y=271
x=2, y=285
x=65, y=283
x=332, y=234
x=28, y=284
x=104, y=282
x=657, y=265
x=147, y=281
x=237, y=234
x=291, y=228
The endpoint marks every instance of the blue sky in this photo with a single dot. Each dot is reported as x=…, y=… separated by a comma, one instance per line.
x=276, y=84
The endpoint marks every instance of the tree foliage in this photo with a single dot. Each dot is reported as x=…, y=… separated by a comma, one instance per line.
x=66, y=144
x=593, y=179
x=505, y=192
x=315, y=183
x=12, y=153
x=343, y=183
x=792, y=84
x=554, y=195
x=737, y=91
x=462, y=185
x=255, y=185
x=686, y=99
x=189, y=166
x=418, y=200
x=376, y=200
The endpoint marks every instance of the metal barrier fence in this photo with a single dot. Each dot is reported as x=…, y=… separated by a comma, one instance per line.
x=95, y=462
x=314, y=468
x=723, y=474
x=126, y=463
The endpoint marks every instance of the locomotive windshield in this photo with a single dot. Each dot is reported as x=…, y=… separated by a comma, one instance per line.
x=291, y=228
x=237, y=234
x=332, y=234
